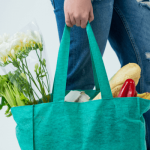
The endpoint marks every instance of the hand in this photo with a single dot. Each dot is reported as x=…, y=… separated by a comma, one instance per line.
x=78, y=12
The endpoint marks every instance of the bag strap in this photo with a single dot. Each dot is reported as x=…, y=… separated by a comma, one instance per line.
x=59, y=85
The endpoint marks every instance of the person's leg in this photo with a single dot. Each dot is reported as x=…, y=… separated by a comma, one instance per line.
x=130, y=38
x=80, y=72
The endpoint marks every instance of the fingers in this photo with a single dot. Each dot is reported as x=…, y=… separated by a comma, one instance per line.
x=79, y=21
x=87, y=18
x=67, y=20
x=74, y=15
x=91, y=15
x=84, y=21
x=72, y=19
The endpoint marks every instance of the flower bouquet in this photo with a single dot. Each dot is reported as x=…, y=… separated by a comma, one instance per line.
x=28, y=83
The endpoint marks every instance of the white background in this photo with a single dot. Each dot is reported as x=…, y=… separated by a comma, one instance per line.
x=14, y=15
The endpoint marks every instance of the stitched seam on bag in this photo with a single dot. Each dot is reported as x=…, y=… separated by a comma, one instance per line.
x=93, y=100
x=120, y=14
x=139, y=111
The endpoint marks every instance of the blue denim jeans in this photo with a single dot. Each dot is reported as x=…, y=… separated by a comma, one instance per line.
x=126, y=24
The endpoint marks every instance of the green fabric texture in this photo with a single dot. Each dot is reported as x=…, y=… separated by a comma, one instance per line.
x=103, y=124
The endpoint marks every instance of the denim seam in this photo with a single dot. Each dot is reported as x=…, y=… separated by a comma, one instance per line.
x=132, y=42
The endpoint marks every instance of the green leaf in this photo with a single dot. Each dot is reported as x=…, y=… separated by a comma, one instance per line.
x=9, y=115
x=3, y=103
x=24, y=99
x=8, y=111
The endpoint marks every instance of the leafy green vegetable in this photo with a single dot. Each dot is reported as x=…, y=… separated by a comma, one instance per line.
x=10, y=94
x=22, y=84
x=5, y=103
x=6, y=90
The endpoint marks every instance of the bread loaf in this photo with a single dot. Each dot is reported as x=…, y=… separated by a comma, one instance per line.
x=129, y=71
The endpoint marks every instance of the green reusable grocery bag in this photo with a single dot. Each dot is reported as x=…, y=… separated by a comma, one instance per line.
x=103, y=124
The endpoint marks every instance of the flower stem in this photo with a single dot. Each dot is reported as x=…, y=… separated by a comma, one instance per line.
x=43, y=67
x=30, y=75
x=29, y=79
x=42, y=89
x=30, y=93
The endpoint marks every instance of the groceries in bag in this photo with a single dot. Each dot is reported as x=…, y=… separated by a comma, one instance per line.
x=128, y=89
x=76, y=96
x=129, y=71
x=145, y=95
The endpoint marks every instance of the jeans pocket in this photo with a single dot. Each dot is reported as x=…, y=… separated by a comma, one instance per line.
x=53, y=3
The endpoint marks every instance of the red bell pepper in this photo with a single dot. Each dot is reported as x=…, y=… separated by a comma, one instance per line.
x=135, y=95
x=131, y=90
x=128, y=89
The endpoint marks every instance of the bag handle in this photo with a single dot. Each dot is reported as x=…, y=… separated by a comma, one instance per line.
x=100, y=76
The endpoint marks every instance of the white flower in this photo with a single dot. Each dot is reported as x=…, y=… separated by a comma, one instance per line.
x=30, y=35
x=15, y=42
x=13, y=53
x=38, y=36
x=10, y=45
x=4, y=51
x=22, y=36
x=5, y=37
x=9, y=40
x=27, y=39
x=1, y=40
x=17, y=35
x=34, y=35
